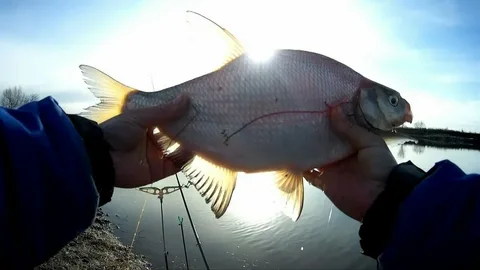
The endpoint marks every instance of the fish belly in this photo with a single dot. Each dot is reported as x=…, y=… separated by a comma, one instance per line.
x=254, y=117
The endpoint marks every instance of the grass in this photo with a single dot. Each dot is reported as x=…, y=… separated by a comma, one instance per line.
x=96, y=248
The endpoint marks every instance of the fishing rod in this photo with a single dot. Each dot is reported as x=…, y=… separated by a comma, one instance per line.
x=161, y=192
x=191, y=223
x=167, y=190
x=180, y=222
x=165, y=252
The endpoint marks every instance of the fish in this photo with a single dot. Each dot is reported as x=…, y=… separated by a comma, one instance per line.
x=250, y=117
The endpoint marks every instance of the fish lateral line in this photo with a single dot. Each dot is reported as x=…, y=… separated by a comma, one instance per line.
x=329, y=108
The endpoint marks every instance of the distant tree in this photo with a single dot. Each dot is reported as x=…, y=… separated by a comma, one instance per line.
x=420, y=124
x=15, y=97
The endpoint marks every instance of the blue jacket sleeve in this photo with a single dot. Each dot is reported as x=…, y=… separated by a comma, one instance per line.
x=438, y=223
x=47, y=194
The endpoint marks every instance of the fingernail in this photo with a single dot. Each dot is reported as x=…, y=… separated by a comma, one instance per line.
x=178, y=100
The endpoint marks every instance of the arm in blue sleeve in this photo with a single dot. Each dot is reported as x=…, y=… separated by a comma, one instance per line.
x=436, y=224
x=48, y=194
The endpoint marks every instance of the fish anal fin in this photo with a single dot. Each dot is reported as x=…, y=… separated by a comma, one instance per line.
x=214, y=182
x=112, y=94
x=290, y=186
x=225, y=42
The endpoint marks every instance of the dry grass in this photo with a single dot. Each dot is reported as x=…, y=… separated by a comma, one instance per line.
x=96, y=248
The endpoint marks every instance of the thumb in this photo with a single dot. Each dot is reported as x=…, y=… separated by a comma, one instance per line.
x=356, y=135
x=153, y=116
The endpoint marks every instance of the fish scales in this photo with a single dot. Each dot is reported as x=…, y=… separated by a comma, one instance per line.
x=249, y=116
x=244, y=90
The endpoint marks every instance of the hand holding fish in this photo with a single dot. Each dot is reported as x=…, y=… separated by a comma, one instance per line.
x=137, y=159
x=353, y=183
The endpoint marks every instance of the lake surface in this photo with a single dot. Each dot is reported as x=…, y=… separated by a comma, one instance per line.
x=253, y=234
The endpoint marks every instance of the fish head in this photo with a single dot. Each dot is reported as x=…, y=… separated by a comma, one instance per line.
x=383, y=108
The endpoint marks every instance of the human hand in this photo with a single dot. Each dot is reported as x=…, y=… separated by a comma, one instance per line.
x=352, y=184
x=137, y=158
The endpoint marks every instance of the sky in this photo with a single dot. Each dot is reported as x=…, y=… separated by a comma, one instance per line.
x=425, y=49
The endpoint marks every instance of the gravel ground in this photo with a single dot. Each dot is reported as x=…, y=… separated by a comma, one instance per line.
x=96, y=248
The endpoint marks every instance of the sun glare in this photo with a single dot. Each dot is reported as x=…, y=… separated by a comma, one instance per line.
x=256, y=199
x=259, y=54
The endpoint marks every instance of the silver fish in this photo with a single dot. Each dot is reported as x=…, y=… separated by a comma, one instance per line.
x=249, y=116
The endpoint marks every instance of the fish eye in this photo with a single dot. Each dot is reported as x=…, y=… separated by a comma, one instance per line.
x=393, y=100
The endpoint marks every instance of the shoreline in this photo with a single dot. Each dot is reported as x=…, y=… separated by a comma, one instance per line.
x=442, y=138
x=97, y=248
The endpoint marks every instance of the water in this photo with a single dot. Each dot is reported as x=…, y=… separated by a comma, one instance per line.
x=253, y=234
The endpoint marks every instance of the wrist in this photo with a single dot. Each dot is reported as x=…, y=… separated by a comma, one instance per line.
x=372, y=195
x=380, y=218
x=98, y=151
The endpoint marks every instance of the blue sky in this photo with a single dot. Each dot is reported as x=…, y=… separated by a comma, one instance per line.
x=425, y=49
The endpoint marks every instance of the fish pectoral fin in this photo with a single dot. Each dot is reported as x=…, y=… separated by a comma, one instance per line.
x=165, y=143
x=112, y=94
x=228, y=45
x=214, y=182
x=290, y=186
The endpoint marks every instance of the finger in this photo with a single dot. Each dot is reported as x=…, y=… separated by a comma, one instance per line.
x=158, y=115
x=358, y=136
x=159, y=166
x=314, y=177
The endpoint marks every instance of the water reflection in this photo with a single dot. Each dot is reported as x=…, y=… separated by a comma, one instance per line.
x=418, y=149
x=401, y=151
x=253, y=233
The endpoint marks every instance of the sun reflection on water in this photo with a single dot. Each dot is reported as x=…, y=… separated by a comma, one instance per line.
x=256, y=199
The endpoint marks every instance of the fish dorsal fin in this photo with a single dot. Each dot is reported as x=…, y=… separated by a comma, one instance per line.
x=228, y=45
x=290, y=186
x=214, y=182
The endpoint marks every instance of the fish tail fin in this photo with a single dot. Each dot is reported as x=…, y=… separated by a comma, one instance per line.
x=112, y=94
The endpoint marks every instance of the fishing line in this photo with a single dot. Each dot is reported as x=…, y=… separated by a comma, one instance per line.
x=183, y=128
x=283, y=112
x=151, y=81
x=143, y=155
x=371, y=127
x=329, y=216
x=191, y=223
x=138, y=223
